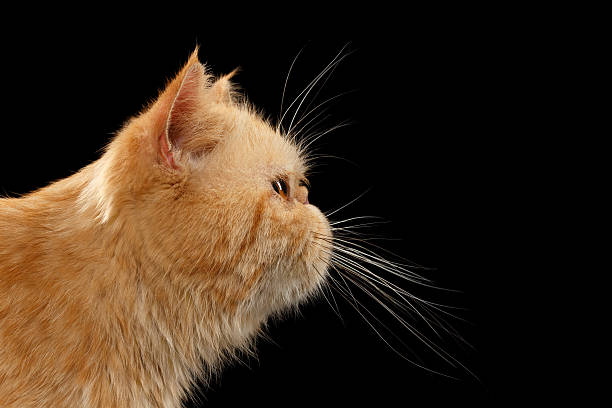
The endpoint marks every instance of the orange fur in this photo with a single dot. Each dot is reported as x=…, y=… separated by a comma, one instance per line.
x=120, y=283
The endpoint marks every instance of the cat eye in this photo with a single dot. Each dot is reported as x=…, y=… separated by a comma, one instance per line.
x=280, y=186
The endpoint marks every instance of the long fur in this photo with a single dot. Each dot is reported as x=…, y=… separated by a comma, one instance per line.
x=120, y=284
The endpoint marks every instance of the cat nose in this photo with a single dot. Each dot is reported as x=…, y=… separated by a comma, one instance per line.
x=302, y=194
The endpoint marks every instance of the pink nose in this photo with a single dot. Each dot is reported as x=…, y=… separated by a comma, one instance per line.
x=302, y=194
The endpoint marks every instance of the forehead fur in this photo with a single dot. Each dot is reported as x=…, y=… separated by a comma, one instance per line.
x=224, y=122
x=249, y=142
x=226, y=135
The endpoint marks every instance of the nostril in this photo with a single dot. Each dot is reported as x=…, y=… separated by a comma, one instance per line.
x=302, y=195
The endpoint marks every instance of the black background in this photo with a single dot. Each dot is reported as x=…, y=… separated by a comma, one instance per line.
x=431, y=132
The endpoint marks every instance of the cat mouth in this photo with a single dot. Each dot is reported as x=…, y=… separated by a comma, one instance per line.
x=322, y=242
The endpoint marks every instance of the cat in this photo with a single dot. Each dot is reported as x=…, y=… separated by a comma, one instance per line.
x=120, y=284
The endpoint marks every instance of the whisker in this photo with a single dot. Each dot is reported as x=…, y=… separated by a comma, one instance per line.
x=390, y=298
x=335, y=310
x=309, y=157
x=314, y=110
x=347, y=204
x=279, y=126
x=408, y=264
x=355, y=218
x=370, y=277
x=348, y=259
x=348, y=263
x=421, y=303
x=355, y=304
x=431, y=345
x=321, y=134
x=312, y=84
x=368, y=256
x=376, y=272
x=296, y=134
x=314, y=98
x=358, y=226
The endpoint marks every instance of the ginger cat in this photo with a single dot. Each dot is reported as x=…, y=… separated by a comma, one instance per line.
x=120, y=283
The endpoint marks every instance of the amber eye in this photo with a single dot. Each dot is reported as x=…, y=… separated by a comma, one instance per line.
x=280, y=186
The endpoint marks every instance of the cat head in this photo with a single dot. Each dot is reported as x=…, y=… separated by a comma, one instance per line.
x=215, y=197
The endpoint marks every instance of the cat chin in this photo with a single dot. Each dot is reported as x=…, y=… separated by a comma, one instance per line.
x=294, y=280
x=308, y=285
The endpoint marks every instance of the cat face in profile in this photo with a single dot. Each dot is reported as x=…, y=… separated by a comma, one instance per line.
x=127, y=281
x=222, y=198
x=120, y=282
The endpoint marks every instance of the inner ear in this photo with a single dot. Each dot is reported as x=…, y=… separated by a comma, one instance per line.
x=179, y=124
x=189, y=124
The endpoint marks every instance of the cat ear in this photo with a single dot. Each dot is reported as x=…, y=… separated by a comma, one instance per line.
x=183, y=97
x=222, y=90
